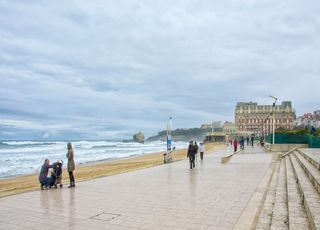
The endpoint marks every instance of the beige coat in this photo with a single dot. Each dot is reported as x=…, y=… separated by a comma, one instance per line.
x=71, y=164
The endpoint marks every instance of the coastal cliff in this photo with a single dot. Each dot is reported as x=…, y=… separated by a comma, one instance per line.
x=197, y=134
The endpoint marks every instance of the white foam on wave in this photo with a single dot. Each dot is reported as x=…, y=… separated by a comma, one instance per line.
x=26, y=157
x=26, y=143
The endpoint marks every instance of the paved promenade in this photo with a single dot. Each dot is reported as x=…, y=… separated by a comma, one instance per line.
x=213, y=196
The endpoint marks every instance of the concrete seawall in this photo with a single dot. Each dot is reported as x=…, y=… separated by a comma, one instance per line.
x=283, y=147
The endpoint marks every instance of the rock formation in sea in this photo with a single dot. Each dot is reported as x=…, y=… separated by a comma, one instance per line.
x=138, y=137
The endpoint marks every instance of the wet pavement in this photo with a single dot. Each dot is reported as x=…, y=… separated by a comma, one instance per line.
x=171, y=196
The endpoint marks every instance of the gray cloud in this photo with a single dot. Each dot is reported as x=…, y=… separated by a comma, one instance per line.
x=106, y=69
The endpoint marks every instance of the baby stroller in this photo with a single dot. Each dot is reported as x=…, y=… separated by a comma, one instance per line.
x=56, y=174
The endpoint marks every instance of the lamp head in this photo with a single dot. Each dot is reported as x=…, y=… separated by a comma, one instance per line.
x=273, y=97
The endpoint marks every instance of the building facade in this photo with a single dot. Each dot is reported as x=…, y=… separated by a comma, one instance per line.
x=249, y=116
x=229, y=128
x=308, y=120
x=213, y=125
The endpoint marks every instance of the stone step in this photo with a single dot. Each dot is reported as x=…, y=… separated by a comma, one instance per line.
x=297, y=215
x=312, y=155
x=280, y=211
x=312, y=172
x=264, y=221
x=310, y=196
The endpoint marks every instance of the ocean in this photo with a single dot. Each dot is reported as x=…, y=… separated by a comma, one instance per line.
x=26, y=157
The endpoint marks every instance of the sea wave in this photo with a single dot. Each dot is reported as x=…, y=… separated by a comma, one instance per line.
x=26, y=157
x=19, y=143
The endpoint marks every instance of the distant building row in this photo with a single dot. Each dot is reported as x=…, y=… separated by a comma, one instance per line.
x=308, y=120
x=213, y=125
x=217, y=126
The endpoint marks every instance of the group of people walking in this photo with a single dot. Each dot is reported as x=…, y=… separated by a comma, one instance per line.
x=56, y=175
x=193, y=150
x=234, y=143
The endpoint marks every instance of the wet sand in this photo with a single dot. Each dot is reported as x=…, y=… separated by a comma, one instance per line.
x=21, y=184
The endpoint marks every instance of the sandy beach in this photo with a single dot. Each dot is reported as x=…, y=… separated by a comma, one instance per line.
x=21, y=184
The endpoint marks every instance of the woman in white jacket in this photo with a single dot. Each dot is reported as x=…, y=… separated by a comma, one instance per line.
x=201, y=149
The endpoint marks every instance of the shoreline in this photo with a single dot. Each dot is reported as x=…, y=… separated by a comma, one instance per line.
x=23, y=158
x=88, y=163
x=88, y=171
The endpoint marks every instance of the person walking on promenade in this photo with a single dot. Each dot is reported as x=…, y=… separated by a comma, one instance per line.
x=44, y=180
x=191, y=154
x=235, y=145
x=242, y=143
x=252, y=140
x=196, y=151
x=262, y=141
x=248, y=139
x=201, y=149
x=71, y=165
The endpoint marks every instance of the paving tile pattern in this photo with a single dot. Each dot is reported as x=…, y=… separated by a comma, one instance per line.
x=170, y=196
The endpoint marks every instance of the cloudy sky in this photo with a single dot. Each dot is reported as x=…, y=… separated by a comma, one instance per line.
x=107, y=69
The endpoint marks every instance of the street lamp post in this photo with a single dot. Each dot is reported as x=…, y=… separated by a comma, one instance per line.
x=266, y=126
x=273, y=112
x=168, y=154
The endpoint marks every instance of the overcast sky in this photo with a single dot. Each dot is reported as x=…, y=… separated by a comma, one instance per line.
x=107, y=69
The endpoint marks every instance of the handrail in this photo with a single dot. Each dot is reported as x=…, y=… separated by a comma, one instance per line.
x=225, y=158
x=283, y=155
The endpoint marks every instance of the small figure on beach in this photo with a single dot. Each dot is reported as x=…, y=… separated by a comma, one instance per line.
x=191, y=154
x=71, y=165
x=196, y=150
x=235, y=145
x=201, y=149
x=45, y=181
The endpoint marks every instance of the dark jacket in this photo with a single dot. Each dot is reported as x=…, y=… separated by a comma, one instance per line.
x=196, y=148
x=242, y=141
x=191, y=151
x=44, y=172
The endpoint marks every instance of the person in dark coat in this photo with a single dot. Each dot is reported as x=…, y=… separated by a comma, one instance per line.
x=196, y=150
x=44, y=180
x=242, y=143
x=235, y=145
x=71, y=165
x=191, y=154
x=262, y=141
x=252, y=140
x=248, y=139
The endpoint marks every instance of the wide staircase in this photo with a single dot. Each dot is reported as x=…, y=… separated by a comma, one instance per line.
x=292, y=200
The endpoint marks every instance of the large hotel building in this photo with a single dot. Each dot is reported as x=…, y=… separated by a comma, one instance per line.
x=249, y=116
